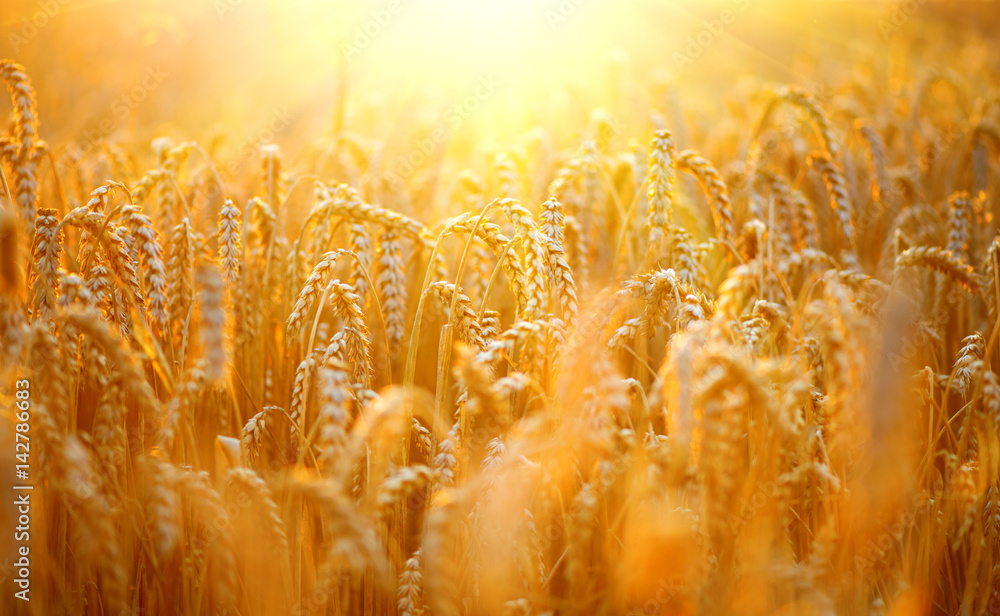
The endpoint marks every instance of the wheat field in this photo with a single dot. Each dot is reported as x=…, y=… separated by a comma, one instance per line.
x=699, y=340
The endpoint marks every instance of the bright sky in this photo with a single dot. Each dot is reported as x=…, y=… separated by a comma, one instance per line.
x=239, y=62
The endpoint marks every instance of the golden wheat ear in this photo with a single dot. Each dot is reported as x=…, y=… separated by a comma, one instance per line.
x=25, y=147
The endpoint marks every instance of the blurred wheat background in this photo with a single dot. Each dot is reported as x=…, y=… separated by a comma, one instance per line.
x=432, y=307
